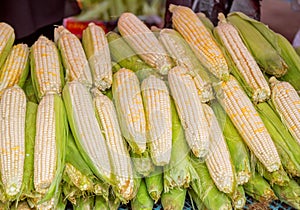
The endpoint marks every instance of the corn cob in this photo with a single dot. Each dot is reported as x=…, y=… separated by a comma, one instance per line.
x=122, y=53
x=97, y=51
x=200, y=39
x=287, y=147
x=190, y=111
x=6, y=42
x=179, y=173
x=142, y=200
x=287, y=103
x=247, y=121
x=15, y=68
x=206, y=21
x=12, y=139
x=218, y=160
x=144, y=42
x=238, y=149
x=154, y=183
x=279, y=177
x=119, y=156
x=73, y=56
x=207, y=190
x=247, y=67
x=158, y=119
x=174, y=199
x=265, y=55
x=46, y=70
x=86, y=130
x=183, y=56
x=289, y=194
x=129, y=105
x=259, y=189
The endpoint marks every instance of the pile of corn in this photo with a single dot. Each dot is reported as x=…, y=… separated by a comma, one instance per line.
x=141, y=117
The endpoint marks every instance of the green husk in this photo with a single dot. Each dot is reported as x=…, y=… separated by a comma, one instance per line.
x=174, y=199
x=86, y=203
x=297, y=49
x=142, y=201
x=179, y=172
x=122, y=53
x=29, y=90
x=207, y=190
x=101, y=203
x=263, y=52
x=282, y=46
x=278, y=177
x=142, y=163
x=33, y=73
x=27, y=187
x=238, y=198
x=78, y=137
x=237, y=148
x=115, y=67
x=206, y=21
x=289, y=194
x=259, y=189
x=194, y=197
x=287, y=147
x=61, y=131
x=155, y=184
x=144, y=73
x=5, y=51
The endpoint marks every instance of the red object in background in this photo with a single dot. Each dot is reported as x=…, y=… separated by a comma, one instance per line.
x=76, y=27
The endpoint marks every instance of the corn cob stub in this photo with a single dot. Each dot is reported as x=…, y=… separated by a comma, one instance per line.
x=247, y=121
x=287, y=103
x=218, y=160
x=159, y=119
x=15, y=68
x=187, y=23
x=46, y=70
x=12, y=139
x=190, y=111
x=96, y=48
x=117, y=148
x=130, y=109
x=73, y=56
x=144, y=42
x=246, y=64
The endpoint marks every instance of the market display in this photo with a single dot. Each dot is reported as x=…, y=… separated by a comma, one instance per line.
x=141, y=117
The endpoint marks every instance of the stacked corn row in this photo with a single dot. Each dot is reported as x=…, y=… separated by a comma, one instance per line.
x=148, y=136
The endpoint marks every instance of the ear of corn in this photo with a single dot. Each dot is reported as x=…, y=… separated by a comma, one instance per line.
x=144, y=42
x=238, y=198
x=259, y=189
x=179, y=173
x=16, y=67
x=247, y=67
x=154, y=183
x=289, y=194
x=287, y=103
x=174, y=199
x=247, y=121
x=158, y=119
x=46, y=70
x=200, y=39
x=49, y=149
x=122, y=53
x=142, y=162
x=12, y=139
x=206, y=21
x=218, y=160
x=86, y=130
x=7, y=35
x=265, y=55
x=183, y=56
x=142, y=199
x=238, y=150
x=190, y=111
x=129, y=106
x=287, y=147
x=96, y=48
x=117, y=149
x=73, y=57
x=207, y=190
